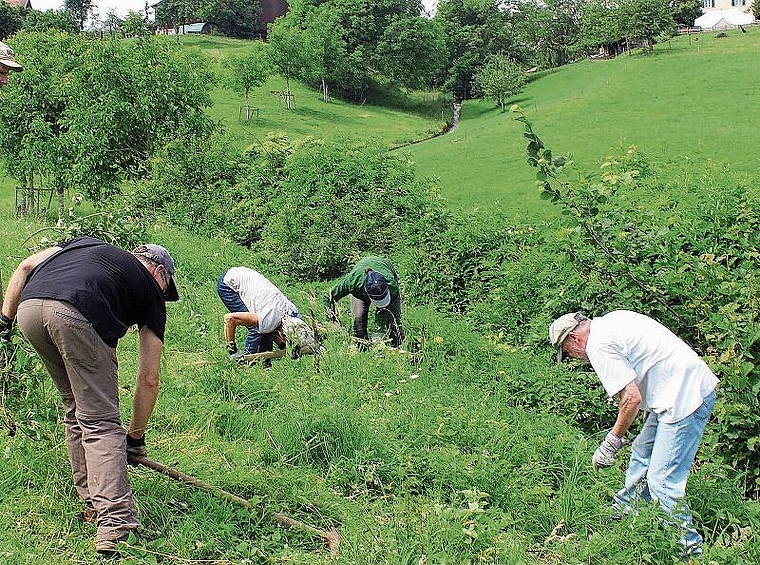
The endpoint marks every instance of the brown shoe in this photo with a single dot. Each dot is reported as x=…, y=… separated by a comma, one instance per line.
x=108, y=547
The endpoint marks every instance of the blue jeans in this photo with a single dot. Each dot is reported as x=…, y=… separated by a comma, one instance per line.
x=255, y=342
x=661, y=457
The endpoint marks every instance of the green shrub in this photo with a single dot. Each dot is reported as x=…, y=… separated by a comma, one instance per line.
x=193, y=183
x=308, y=209
x=689, y=261
x=341, y=200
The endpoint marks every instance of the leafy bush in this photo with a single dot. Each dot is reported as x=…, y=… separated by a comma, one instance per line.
x=689, y=261
x=193, y=183
x=499, y=275
x=309, y=208
x=341, y=200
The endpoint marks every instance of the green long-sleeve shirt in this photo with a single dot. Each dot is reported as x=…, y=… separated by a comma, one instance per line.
x=353, y=282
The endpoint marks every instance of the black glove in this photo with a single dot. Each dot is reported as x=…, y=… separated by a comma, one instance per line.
x=135, y=448
x=6, y=327
x=233, y=352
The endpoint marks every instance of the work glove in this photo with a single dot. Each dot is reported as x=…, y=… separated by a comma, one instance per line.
x=135, y=448
x=604, y=456
x=6, y=327
x=233, y=352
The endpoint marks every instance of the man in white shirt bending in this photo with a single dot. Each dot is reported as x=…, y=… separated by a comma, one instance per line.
x=649, y=368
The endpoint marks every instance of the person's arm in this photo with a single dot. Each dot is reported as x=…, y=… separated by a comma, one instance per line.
x=146, y=391
x=630, y=403
x=18, y=280
x=235, y=319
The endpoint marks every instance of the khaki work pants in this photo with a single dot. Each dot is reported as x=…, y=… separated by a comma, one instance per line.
x=84, y=369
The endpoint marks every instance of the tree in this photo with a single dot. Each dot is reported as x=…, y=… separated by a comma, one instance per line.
x=474, y=30
x=500, y=78
x=412, y=51
x=112, y=23
x=11, y=19
x=59, y=20
x=601, y=25
x=551, y=28
x=235, y=18
x=30, y=126
x=686, y=11
x=250, y=71
x=287, y=52
x=135, y=25
x=89, y=114
x=646, y=19
x=171, y=13
x=81, y=9
x=356, y=28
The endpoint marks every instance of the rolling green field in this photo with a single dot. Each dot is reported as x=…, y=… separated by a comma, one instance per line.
x=456, y=449
x=694, y=99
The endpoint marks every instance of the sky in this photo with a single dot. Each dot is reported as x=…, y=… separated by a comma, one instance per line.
x=102, y=7
x=122, y=7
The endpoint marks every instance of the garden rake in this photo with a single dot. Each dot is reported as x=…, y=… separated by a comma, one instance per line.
x=331, y=537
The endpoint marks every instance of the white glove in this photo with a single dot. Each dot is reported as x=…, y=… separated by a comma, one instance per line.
x=604, y=456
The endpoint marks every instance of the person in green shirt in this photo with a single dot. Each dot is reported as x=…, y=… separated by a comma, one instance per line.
x=371, y=282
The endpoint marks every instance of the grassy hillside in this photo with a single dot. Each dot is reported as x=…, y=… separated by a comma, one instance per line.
x=692, y=100
x=456, y=449
x=414, y=118
x=451, y=450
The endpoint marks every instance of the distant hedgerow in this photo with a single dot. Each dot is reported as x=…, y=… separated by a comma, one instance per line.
x=309, y=208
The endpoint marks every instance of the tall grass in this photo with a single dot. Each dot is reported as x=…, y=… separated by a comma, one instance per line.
x=455, y=449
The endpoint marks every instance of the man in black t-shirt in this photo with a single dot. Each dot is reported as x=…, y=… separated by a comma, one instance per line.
x=74, y=301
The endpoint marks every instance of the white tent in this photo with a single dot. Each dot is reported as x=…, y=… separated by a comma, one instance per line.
x=723, y=19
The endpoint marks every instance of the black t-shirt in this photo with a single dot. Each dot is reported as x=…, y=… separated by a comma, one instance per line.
x=108, y=285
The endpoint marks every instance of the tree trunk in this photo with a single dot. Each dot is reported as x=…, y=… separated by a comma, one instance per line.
x=22, y=206
x=61, y=207
x=33, y=203
x=324, y=90
x=287, y=94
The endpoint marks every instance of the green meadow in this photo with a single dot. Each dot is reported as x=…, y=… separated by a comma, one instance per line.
x=458, y=448
x=693, y=100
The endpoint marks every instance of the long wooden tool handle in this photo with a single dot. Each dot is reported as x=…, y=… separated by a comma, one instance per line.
x=331, y=537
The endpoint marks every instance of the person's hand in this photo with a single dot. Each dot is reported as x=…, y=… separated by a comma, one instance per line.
x=604, y=456
x=232, y=351
x=135, y=448
x=6, y=327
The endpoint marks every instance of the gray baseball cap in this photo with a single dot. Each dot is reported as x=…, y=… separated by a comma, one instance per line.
x=160, y=256
x=8, y=59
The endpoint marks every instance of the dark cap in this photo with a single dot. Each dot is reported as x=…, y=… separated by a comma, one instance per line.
x=160, y=256
x=377, y=289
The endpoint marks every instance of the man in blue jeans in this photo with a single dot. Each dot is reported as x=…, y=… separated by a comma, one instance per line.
x=650, y=369
x=254, y=302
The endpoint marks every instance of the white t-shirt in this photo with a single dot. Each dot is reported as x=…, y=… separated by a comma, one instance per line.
x=624, y=346
x=260, y=296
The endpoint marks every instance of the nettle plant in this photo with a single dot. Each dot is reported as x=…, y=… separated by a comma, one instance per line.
x=685, y=253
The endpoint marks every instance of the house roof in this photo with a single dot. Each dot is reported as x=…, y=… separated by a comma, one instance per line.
x=20, y=3
x=193, y=28
x=723, y=18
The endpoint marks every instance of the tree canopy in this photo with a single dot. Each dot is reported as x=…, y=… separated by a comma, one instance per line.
x=88, y=114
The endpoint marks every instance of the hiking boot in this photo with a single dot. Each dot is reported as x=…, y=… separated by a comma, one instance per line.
x=109, y=547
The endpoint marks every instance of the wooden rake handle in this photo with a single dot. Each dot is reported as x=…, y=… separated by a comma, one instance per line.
x=331, y=537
